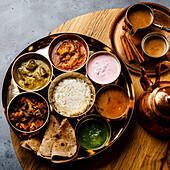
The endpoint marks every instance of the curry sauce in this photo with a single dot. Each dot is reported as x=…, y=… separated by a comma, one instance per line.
x=69, y=55
x=33, y=74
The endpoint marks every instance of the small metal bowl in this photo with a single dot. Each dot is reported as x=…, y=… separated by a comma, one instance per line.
x=54, y=45
x=26, y=57
x=136, y=7
x=90, y=120
x=151, y=36
x=101, y=71
x=12, y=105
x=107, y=113
x=57, y=80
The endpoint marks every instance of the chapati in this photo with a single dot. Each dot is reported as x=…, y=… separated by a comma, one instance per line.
x=48, y=140
x=32, y=144
x=65, y=144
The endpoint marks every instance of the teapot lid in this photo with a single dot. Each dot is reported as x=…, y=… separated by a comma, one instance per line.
x=162, y=102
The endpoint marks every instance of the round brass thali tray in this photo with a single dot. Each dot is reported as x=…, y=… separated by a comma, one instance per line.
x=41, y=46
x=161, y=17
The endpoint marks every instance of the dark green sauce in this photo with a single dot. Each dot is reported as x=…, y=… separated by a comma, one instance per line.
x=92, y=134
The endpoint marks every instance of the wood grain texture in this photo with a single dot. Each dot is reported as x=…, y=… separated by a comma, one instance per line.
x=136, y=149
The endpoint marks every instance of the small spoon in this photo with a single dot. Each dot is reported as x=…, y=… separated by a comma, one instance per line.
x=162, y=27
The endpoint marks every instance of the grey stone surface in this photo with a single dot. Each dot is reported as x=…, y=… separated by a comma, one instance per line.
x=23, y=22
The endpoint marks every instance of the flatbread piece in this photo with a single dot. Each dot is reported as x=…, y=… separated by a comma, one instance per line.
x=45, y=149
x=65, y=144
x=32, y=144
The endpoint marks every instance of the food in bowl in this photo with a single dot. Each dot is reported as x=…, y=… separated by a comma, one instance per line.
x=68, y=52
x=28, y=112
x=139, y=16
x=32, y=71
x=155, y=45
x=112, y=101
x=71, y=94
x=103, y=67
x=92, y=132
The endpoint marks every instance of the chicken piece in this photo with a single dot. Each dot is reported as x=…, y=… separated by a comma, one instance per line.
x=66, y=58
x=72, y=61
x=31, y=66
x=43, y=72
x=28, y=81
x=22, y=73
x=37, y=76
x=77, y=46
x=65, y=48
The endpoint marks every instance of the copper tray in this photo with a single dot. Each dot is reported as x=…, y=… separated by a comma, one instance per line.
x=41, y=46
x=162, y=17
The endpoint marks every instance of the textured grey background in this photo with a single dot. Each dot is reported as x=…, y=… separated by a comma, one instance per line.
x=23, y=22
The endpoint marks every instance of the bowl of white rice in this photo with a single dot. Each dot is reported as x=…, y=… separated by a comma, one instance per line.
x=71, y=94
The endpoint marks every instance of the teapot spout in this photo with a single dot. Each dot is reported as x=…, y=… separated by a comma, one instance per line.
x=144, y=80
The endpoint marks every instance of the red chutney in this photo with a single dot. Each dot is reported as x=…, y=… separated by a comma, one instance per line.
x=69, y=55
x=112, y=102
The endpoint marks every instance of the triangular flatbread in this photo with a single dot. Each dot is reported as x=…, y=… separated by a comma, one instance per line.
x=65, y=144
x=32, y=144
x=47, y=142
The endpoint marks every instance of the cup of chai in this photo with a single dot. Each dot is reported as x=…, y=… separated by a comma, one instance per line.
x=155, y=45
x=138, y=18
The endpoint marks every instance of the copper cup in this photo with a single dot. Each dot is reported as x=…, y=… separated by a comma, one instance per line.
x=134, y=8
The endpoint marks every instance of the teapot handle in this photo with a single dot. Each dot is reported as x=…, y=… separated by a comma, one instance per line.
x=166, y=63
x=158, y=72
x=144, y=80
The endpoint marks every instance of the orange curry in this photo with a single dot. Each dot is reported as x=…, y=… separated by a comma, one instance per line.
x=69, y=55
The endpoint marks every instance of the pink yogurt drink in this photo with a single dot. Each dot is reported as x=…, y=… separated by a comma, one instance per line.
x=103, y=67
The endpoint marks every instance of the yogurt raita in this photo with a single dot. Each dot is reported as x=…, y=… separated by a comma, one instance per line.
x=103, y=68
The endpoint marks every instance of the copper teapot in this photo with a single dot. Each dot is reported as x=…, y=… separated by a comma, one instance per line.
x=153, y=108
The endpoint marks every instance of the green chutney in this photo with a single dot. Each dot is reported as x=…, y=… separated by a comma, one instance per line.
x=92, y=134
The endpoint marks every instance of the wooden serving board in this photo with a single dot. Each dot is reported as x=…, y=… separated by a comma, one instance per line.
x=136, y=149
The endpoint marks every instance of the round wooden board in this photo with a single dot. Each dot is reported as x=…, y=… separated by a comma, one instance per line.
x=136, y=149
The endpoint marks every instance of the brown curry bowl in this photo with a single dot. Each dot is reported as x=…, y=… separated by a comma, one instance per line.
x=112, y=102
x=28, y=114
x=66, y=57
x=39, y=73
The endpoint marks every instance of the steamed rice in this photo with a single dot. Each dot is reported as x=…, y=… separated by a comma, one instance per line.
x=72, y=96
